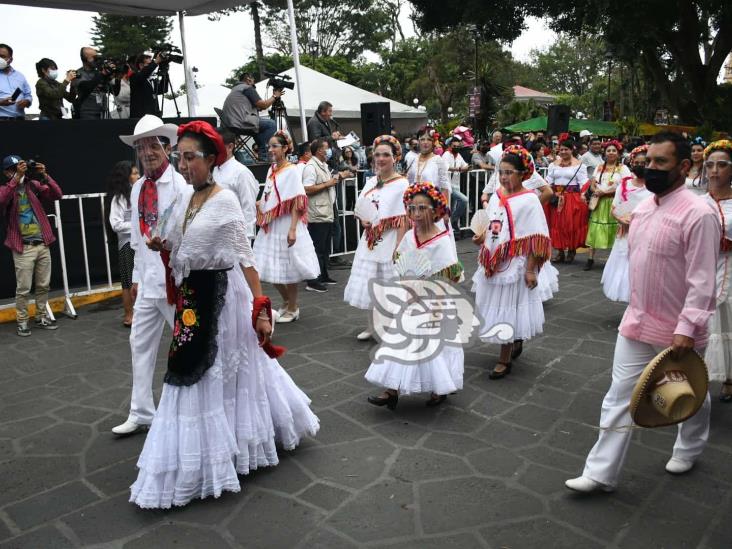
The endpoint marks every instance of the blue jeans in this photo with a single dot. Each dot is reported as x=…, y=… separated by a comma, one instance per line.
x=267, y=128
x=458, y=205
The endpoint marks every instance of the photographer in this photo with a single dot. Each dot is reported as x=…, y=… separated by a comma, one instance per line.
x=28, y=235
x=89, y=89
x=51, y=93
x=241, y=112
x=143, y=90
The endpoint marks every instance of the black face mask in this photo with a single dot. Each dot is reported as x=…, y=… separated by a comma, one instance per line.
x=639, y=171
x=658, y=181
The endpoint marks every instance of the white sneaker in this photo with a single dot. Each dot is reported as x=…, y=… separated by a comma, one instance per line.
x=364, y=336
x=289, y=316
x=678, y=466
x=129, y=428
x=587, y=485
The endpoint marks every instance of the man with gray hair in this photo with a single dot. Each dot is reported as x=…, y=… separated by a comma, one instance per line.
x=322, y=126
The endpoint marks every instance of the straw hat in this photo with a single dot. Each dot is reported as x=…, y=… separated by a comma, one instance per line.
x=669, y=390
x=151, y=126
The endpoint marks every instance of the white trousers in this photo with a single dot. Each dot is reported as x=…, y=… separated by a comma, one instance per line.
x=606, y=458
x=149, y=318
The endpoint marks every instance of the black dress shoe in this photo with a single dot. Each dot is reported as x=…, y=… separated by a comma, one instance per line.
x=432, y=402
x=588, y=265
x=498, y=375
x=570, y=256
x=390, y=401
x=559, y=258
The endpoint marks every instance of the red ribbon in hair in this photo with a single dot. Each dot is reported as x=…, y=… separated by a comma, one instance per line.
x=263, y=302
x=564, y=136
x=207, y=130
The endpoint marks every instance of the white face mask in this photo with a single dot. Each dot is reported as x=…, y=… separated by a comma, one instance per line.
x=3, y=64
x=53, y=74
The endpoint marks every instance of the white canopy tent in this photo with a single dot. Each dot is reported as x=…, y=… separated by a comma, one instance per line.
x=346, y=100
x=166, y=7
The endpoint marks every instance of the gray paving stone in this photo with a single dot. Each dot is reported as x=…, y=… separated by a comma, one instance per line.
x=447, y=505
x=68, y=438
x=25, y=476
x=45, y=538
x=382, y=511
x=496, y=462
x=531, y=417
x=179, y=536
x=420, y=465
x=337, y=428
x=324, y=496
x=502, y=434
x=401, y=433
x=538, y=533
x=457, y=541
x=116, y=478
x=49, y=505
x=324, y=539
x=543, y=480
x=450, y=443
x=286, y=477
x=269, y=520
x=599, y=514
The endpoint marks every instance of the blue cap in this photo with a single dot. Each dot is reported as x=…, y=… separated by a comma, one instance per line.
x=10, y=161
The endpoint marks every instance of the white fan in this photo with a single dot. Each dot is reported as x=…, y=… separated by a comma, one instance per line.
x=413, y=264
x=479, y=223
x=365, y=210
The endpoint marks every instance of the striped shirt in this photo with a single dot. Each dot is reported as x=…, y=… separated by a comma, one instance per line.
x=9, y=203
x=673, y=245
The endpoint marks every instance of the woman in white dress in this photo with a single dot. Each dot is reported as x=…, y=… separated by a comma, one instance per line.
x=429, y=166
x=428, y=252
x=718, y=356
x=226, y=402
x=512, y=250
x=119, y=186
x=632, y=191
x=695, y=179
x=605, y=180
x=374, y=258
x=283, y=248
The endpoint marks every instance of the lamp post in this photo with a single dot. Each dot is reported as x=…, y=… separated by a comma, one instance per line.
x=608, y=107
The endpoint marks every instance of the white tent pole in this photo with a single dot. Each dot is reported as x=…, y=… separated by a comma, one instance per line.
x=296, y=61
x=181, y=22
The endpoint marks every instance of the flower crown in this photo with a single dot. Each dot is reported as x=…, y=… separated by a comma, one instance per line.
x=389, y=139
x=432, y=192
x=721, y=145
x=699, y=140
x=525, y=157
x=613, y=143
x=642, y=149
x=288, y=139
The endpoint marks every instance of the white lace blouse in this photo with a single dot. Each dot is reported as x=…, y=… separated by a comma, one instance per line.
x=215, y=238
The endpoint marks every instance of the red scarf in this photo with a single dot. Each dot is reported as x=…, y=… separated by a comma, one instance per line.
x=147, y=202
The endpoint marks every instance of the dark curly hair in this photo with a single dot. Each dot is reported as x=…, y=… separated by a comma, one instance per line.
x=118, y=181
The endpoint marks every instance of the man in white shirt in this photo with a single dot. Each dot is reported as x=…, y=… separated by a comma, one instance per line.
x=412, y=154
x=160, y=190
x=496, y=148
x=236, y=177
x=593, y=158
x=455, y=166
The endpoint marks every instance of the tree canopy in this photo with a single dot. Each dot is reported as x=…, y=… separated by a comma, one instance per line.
x=120, y=36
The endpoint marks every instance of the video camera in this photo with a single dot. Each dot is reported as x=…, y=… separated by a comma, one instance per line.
x=110, y=65
x=169, y=54
x=279, y=81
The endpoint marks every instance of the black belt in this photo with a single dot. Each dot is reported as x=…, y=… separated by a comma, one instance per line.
x=34, y=243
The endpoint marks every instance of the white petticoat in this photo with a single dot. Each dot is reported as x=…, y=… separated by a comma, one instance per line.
x=508, y=300
x=227, y=423
x=718, y=355
x=272, y=255
x=615, y=275
x=363, y=270
x=441, y=375
x=547, y=281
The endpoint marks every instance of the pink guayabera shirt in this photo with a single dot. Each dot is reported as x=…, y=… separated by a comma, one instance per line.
x=673, y=247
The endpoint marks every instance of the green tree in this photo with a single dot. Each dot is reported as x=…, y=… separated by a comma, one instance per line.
x=518, y=111
x=120, y=36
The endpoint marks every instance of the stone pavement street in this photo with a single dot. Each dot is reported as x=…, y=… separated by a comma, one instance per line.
x=486, y=470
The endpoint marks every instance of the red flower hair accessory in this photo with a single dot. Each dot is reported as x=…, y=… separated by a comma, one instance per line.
x=613, y=143
x=642, y=149
x=205, y=129
x=525, y=157
x=389, y=139
x=432, y=192
x=564, y=136
x=282, y=133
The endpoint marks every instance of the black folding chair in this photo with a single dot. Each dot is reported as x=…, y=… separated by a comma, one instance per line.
x=244, y=138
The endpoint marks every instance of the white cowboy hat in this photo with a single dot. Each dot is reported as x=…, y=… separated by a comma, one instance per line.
x=585, y=133
x=150, y=126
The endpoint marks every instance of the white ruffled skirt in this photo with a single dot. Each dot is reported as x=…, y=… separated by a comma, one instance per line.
x=228, y=423
x=615, y=275
x=356, y=293
x=274, y=258
x=441, y=375
x=718, y=354
x=547, y=281
x=507, y=301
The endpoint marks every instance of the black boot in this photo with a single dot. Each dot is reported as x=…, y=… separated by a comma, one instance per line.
x=588, y=265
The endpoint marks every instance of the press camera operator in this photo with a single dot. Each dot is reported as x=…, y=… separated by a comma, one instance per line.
x=90, y=88
x=241, y=112
x=143, y=90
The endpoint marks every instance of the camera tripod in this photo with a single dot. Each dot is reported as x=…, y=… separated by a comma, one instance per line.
x=278, y=113
x=164, y=79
